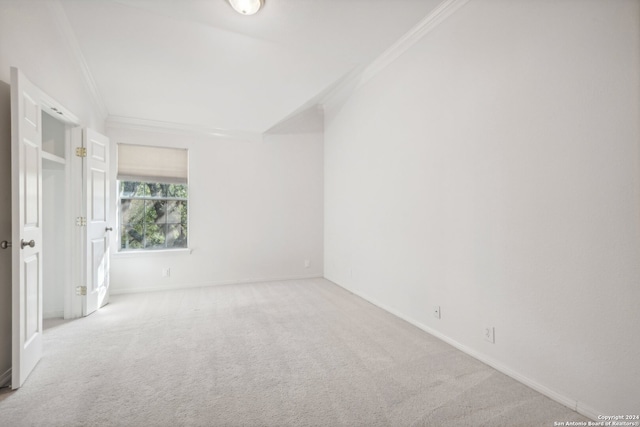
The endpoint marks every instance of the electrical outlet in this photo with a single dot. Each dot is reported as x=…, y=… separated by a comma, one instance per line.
x=166, y=272
x=307, y=263
x=436, y=311
x=490, y=334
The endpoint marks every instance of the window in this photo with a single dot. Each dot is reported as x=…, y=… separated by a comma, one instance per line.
x=153, y=215
x=153, y=197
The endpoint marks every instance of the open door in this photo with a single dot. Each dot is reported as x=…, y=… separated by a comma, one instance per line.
x=98, y=230
x=26, y=188
x=91, y=197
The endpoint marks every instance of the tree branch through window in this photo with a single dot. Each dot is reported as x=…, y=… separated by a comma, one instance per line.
x=153, y=215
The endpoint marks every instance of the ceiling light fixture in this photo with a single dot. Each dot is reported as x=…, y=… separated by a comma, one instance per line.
x=246, y=7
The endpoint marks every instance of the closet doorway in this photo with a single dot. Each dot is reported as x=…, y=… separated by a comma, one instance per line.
x=56, y=247
x=60, y=220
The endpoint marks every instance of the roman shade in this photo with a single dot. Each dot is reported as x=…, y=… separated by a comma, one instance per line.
x=152, y=164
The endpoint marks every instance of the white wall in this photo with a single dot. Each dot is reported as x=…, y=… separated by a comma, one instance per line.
x=31, y=41
x=55, y=239
x=493, y=169
x=55, y=235
x=255, y=213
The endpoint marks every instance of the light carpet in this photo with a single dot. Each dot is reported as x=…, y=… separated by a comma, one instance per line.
x=294, y=353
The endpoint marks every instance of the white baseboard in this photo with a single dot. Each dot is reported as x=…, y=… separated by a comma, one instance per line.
x=5, y=378
x=570, y=403
x=180, y=286
x=588, y=411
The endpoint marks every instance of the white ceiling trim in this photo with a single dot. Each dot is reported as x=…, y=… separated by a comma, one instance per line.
x=61, y=20
x=120, y=122
x=424, y=27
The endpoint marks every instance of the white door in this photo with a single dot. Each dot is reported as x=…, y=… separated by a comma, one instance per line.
x=26, y=187
x=99, y=229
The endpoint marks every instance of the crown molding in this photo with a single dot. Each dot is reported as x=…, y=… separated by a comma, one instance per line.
x=62, y=21
x=121, y=122
x=424, y=27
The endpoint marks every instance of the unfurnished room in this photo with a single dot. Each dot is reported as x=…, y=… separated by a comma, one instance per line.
x=320, y=213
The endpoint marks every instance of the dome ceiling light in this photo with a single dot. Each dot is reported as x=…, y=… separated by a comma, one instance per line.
x=246, y=7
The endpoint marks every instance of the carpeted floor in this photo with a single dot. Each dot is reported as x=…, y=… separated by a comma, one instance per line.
x=295, y=353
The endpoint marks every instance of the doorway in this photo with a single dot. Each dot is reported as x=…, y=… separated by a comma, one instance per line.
x=56, y=259
x=59, y=259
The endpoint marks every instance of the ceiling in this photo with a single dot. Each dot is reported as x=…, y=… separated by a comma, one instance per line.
x=199, y=63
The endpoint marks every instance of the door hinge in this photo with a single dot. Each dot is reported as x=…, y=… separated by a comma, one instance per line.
x=81, y=152
x=81, y=221
x=81, y=290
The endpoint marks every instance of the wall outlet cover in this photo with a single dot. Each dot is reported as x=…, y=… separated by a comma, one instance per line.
x=489, y=333
x=436, y=311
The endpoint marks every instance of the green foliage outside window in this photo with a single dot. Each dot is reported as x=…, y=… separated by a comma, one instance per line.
x=153, y=215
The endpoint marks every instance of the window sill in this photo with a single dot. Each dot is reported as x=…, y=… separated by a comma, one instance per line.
x=132, y=254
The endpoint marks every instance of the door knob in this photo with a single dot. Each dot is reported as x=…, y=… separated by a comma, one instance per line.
x=108, y=229
x=4, y=244
x=31, y=244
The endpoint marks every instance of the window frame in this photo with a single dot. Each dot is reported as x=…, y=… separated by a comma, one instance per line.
x=121, y=225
